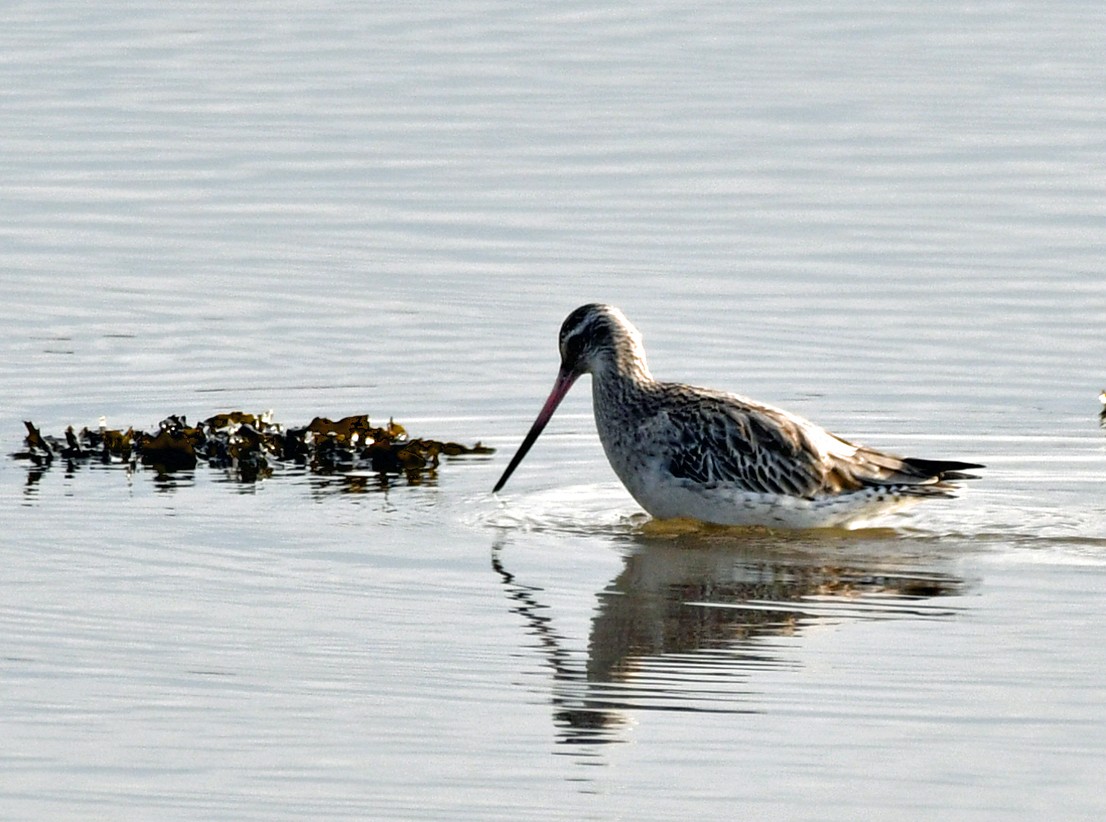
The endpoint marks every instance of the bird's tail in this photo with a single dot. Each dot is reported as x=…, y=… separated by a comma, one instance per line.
x=942, y=470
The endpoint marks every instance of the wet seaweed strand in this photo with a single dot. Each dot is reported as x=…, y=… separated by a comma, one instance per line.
x=250, y=444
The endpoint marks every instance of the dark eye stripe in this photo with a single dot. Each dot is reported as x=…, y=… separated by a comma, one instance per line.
x=573, y=346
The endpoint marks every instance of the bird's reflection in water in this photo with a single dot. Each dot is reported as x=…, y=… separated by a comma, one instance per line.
x=691, y=616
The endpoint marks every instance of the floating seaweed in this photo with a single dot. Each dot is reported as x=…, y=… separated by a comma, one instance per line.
x=250, y=445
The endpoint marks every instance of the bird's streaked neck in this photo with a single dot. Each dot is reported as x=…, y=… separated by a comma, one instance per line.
x=623, y=362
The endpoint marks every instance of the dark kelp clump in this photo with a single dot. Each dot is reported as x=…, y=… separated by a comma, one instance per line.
x=250, y=445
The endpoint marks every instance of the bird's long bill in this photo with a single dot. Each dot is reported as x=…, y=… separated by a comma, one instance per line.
x=565, y=379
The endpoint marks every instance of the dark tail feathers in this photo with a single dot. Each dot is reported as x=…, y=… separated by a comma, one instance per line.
x=943, y=469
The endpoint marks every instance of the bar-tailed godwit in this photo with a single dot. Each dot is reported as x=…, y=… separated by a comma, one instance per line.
x=707, y=455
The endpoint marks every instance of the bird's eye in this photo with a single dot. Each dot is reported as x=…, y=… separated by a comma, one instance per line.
x=572, y=347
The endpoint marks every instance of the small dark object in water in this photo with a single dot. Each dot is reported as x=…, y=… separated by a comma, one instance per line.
x=173, y=448
x=250, y=444
x=40, y=452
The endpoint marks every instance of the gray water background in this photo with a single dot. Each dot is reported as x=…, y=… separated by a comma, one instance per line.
x=889, y=220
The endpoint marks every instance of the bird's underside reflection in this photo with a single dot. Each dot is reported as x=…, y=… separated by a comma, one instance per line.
x=685, y=627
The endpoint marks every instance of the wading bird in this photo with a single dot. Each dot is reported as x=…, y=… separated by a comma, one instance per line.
x=690, y=452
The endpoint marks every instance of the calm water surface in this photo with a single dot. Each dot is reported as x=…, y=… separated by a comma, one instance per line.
x=890, y=221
